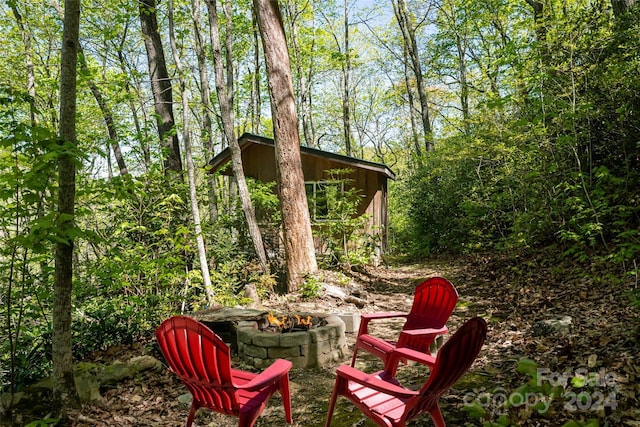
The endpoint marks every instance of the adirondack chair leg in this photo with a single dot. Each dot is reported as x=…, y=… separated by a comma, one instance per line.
x=246, y=421
x=437, y=417
x=286, y=399
x=353, y=359
x=332, y=402
x=192, y=414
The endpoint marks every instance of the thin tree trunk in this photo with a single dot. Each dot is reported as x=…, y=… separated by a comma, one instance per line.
x=346, y=72
x=298, y=240
x=160, y=86
x=226, y=112
x=256, y=99
x=142, y=135
x=191, y=174
x=412, y=117
x=107, y=115
x=409, y=37
x=31, y=78
x=301, y=84
x=620, y=7
x=64, y=390
x=205, y=99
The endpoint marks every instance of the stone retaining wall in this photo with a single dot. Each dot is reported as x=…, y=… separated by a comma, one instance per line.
x=306, y=349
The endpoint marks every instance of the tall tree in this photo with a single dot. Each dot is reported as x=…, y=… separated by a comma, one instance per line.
x=107, y=115
x=28, y=54
x=409, y=37
x=64, y=390
x=344, y=52
x=346, y=71
x=224, y=90
x=205, y=99
x=304, y=66
x=191, y=174
x=622, y=6
x=160, y=85
x=298, y=240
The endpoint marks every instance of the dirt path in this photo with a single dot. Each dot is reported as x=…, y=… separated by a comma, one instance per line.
x=515, y=298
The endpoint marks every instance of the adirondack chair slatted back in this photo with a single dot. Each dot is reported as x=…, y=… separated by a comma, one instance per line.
x=433, y=303
x=201, y=360
x=454, y=359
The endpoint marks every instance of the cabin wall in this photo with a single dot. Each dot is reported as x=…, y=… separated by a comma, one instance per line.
x=259, y=163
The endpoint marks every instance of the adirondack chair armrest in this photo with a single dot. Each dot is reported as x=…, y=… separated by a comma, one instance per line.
x=367, y=317
x=422, y=332
x=271, y=375
x=405, y=353
x=372, y=381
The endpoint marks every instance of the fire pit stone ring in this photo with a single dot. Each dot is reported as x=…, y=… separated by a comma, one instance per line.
x=305, y=349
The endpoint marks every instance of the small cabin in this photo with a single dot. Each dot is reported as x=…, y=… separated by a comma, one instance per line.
x=368, y=178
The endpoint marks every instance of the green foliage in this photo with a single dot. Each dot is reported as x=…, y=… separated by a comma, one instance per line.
x=337, y=223
x=45, y=422
x=311, y=286
x=552, y=162
x=538, y=397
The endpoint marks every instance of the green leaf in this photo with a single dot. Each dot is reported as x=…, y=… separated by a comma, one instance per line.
x=475, y=410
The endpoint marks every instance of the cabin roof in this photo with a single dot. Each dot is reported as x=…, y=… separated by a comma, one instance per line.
x=248, y=139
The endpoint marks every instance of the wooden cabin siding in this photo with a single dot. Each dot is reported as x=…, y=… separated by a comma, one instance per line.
x=258, y=159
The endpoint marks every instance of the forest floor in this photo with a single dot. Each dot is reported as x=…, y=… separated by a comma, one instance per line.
x=516, y=297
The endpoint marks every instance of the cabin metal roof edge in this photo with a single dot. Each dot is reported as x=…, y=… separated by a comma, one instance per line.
x=247, y=138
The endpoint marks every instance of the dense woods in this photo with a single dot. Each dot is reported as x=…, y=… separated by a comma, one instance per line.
x=513, y=126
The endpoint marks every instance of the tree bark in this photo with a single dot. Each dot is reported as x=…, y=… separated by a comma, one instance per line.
x=28, y=54
x=191, y=173
x=205, y=99
x=409, y=37
x=226, y=111
x=346, y=74
x=298, y=240
x=107, y=115
x=64, y=391
x=303, y=80
x=256, y=96
x=410, y=99
x=142, y=134
x=160, y=86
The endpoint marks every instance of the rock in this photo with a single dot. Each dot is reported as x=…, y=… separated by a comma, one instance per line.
x=560, y=324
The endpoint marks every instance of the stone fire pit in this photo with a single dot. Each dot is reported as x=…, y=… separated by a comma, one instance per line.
x=244, y=330
x=306, y=349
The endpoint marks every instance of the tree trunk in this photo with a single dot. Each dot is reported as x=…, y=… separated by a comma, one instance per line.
x=28, y=54
x=64, y=391
x=226, y=111
x=298, y=240
x=205, y=99
x=141, y=133
x=160, y=86
x=107, y=116
x=409, y=37
x=410, y=99
x=346, y=74
x=191, y=173
x=302, y=81
x=620, y=7
x=256, y=98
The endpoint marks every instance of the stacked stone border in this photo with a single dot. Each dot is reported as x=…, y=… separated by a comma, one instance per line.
x=306, y=349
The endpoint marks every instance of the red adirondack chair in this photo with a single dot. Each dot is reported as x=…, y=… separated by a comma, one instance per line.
x=433, y=303
x=202, y=361
x=389, y=404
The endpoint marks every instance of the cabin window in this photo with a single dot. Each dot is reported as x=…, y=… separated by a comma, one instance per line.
x=322, y=197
